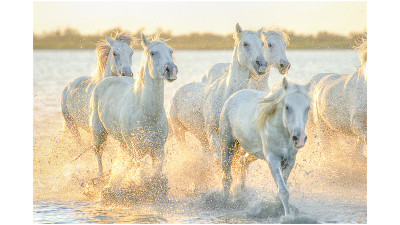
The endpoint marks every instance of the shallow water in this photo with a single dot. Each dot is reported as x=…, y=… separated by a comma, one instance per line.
x=327, y=185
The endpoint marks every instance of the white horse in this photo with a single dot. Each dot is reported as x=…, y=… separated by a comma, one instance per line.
x=267, y=126
x=196, y=107
x=275, y=43
x=132, y=111
x=340, y=100
x=114, y=59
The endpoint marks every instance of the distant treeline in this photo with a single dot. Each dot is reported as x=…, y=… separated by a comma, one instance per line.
x=73, y=39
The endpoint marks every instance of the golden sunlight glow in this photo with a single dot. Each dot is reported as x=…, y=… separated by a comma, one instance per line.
x=217, y=17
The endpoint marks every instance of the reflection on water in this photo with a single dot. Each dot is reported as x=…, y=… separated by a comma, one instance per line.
x=81, y=212
x=327, y=185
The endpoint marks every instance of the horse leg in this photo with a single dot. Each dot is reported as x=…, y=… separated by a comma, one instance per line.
x=246, y=159
x=213, y=140
x=157, y=157
x=229, y=146
x=175, y=126
x=287, y=167
x=179, y=134
x=99, y=137
x=275, y=165
x=360, y=131
x=70, y=125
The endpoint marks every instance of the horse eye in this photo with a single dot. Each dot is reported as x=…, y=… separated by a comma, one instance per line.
x=152, y=53
x=115, y=54
x=245, y=44
x=287, y=107
x=269, y=45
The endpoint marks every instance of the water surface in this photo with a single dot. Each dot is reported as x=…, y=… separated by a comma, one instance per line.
x=327, y=185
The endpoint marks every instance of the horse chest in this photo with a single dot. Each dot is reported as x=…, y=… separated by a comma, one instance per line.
x=280, y=147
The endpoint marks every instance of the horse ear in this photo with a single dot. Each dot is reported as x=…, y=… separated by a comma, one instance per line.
x=109, y=40
x=238, y=29
x=145, y=41
x=260, y=31
x=284, y=83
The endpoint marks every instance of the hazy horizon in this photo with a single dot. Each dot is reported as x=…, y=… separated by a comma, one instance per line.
x=179, y=18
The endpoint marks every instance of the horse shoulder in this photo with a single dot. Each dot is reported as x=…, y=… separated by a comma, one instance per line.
x=241, y=109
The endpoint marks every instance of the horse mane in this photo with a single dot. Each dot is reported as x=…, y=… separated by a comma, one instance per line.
x=268, y=105
x=361, y=48
x=281, y=34
x=103, y=49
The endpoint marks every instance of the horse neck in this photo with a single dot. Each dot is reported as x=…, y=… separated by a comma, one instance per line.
x=275, y=123
x=238, y=76
x=261, y=84
x=150, y=92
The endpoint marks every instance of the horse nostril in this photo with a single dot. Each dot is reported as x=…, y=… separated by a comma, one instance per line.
x=281, y=65
x=258, y=62
x=167, y=69
x=305, y=139
x=295, y=138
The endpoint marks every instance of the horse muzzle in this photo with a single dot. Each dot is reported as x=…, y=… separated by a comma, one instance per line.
x=261, y=66
x=170, y=72
x=283, y=67
x=299, y=141
x=126, y=71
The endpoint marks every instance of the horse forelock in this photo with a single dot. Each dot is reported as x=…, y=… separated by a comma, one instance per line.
x=268, y=105
x=280, y=34
x=127, y=38
x=237, y=38
x=154, y=40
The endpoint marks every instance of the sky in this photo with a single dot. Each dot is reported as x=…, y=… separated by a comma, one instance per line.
x=181, y=17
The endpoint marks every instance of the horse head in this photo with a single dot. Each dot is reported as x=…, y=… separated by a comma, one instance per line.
x=296, y=105
x=120, y=56
x=159, y=58
x=275, y=43
x=248, y=46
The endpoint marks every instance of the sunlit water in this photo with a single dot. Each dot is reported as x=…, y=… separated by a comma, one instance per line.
x=327, y=185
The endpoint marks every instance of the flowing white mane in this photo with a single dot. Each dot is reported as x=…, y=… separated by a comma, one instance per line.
x=268, y=105
x=361, y=48
x=103, y=49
